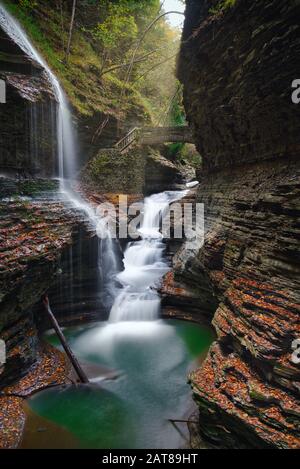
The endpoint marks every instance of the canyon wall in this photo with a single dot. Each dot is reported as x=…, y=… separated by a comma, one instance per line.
x=42, y=242
x=237, y=65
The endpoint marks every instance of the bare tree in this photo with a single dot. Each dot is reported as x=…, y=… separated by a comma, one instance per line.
x=71, y=30
x=143, y=37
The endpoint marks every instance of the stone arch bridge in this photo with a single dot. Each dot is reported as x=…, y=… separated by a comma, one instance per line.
x=155, y=136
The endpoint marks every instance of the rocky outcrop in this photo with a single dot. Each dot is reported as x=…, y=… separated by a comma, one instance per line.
x=36, y=236
x=113, y=172
x=237, y=67
x=140, y=171
x=160, y=173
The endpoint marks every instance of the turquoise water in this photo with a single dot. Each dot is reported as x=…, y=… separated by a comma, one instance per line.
x=152, y=360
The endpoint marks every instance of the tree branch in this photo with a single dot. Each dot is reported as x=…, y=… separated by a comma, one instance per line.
x=143, y=36
x=138, y=60
x=155, y=66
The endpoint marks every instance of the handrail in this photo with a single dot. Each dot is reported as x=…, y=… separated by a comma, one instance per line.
x=127, y=141
x=148, y=134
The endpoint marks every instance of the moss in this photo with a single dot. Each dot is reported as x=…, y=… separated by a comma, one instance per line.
x=185, y=154
x=222, y=6
x=34, y=187
x=113, y=172
x=88, y=91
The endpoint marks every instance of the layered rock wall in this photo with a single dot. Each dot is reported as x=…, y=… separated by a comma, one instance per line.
x=237, y=67
x=35, y=237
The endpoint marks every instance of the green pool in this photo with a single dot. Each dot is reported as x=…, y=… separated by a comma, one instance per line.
x=152, y=360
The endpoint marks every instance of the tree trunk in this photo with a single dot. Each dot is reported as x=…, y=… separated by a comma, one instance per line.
x=81, y=374
x=71, y=30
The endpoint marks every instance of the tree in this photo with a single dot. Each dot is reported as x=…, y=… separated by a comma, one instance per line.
x=71, y=30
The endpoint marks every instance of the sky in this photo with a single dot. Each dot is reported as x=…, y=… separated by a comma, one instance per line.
x=175, y=5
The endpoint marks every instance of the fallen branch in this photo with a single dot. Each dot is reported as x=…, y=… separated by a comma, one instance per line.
x=155, y=66
x=81, y=374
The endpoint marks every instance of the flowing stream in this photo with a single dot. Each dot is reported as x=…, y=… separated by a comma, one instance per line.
x=150, y=357
x=144, y=265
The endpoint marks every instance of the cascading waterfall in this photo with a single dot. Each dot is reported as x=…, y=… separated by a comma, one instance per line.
x=65, y=134
x=144, y=260
x=144, y=264
x=66, y=142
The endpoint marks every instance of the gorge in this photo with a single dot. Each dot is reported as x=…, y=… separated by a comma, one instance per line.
x=148, y=314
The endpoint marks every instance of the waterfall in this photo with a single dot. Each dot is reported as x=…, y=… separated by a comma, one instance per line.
x=66, y=148
x=65, y=134
x=144, y=265
x=144, y=262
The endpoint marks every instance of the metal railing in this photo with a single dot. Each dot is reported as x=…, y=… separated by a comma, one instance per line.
x=128, y=140
x=155, y=135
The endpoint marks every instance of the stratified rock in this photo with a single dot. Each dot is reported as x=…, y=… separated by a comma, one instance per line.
x=140, y=170
x=237, y=68
x=160, y=173
x=36, y=237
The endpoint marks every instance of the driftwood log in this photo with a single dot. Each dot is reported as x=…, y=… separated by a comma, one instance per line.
x=79, y=371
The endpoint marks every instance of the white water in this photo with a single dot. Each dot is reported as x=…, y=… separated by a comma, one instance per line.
x=144, y=265
x=66, y=142
x=65, y=134
x=144, y=262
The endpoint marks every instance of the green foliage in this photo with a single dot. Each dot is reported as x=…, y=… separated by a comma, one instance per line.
x=185, y=154
x=222, y=6
x=28, y=4
x=177, y=114
x=118, y=27
x=105, y=35
x=174, y=150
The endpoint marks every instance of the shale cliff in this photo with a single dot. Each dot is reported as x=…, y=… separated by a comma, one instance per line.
x=237, y=64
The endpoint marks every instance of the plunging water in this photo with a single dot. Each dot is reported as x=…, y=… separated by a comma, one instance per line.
x=65, y=134
x=66, y=144
x=144, y=265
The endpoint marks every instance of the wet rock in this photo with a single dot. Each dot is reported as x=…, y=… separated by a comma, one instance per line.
x=35, y=235
x=160, y=173
x=237, y=68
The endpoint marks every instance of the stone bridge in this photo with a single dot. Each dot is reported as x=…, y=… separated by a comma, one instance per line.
x=155, y=136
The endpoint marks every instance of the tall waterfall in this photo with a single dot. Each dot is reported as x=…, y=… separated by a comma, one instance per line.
x=66, y=142
x=144, y=262
x=144, y=265
x=65, y=133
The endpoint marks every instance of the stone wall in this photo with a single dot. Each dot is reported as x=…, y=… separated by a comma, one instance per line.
x=141, y=170
x=237, y=68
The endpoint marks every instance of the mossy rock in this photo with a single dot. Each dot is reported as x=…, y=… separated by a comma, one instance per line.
x=111, y=171
x=34, y=187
